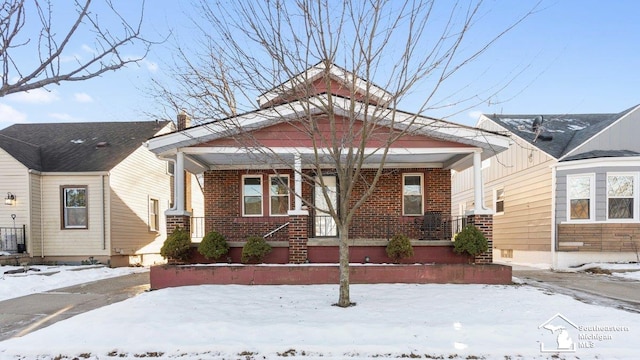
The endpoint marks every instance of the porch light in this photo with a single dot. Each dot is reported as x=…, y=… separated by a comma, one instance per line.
x=10, y=199
x=367, y=259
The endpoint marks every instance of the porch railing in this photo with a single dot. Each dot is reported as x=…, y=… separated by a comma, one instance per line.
x=430, y=226
x=197, y=228
x=13, y=239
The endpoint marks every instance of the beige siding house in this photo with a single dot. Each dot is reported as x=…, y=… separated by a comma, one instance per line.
x=83, y=192
x=537, y=188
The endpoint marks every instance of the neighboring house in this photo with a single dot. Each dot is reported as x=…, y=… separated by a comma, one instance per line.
x=566, y=192
x=247, y=193
x=82, y=191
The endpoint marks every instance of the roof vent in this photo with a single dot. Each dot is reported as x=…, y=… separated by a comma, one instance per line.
x=537, y=129
x=102, y=144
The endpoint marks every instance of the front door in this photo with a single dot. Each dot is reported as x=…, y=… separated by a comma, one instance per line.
x=324, y=223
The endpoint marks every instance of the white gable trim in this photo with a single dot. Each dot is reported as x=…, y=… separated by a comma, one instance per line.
x=416, y=124
x=314, y=73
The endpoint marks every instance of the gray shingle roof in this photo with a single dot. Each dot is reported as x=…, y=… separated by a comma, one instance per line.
x=567, y=131
x=76, y=147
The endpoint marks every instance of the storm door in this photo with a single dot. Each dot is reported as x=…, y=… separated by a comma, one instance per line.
x=324, y=225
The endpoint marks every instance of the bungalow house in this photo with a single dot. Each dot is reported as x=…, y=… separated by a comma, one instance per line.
x=566, y=192
x=82, y=192
x=263, y=188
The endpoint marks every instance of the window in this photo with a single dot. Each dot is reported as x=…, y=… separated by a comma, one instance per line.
x=412, y=194
x=580, y=195
x=74, y=207
x=498, y=197
x=252, y=195
x=153, y=215
x=171, y=168
x=279, y=194
x=621, y=194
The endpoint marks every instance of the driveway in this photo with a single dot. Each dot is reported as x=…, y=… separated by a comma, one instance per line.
x=20, y=316
x=587, y=287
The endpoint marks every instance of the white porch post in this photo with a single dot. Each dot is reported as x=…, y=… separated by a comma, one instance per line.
x=478, y=186
x=297, y=205
x=179, y=183
x=178, y=187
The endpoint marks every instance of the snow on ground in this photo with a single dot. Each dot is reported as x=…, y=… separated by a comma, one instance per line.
x=45, y=278
x=629, y=271
x=389, y=321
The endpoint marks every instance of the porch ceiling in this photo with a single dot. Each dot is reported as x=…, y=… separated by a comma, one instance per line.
x=200, y=161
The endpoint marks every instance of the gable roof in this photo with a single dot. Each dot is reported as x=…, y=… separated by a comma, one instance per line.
x=315, y=73
x=76, y=147
x=438, y=129
x=567, y=131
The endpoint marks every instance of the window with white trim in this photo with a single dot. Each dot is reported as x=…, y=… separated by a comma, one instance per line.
x=74, y=207
x=154, y=211
x=251, y=195
x=580, y=197
x=622, y=196
x=278, y=195
x=498, y=201
x=412, y=194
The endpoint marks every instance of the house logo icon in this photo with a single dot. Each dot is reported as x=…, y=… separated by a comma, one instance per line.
x=558, y=325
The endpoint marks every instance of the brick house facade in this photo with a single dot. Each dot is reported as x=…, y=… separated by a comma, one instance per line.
x=426, y=152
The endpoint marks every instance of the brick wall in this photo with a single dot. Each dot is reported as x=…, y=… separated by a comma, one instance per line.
x=178, y=221
x=298, y=239
x=485, y=224
x=385, y=205
x=223, y=206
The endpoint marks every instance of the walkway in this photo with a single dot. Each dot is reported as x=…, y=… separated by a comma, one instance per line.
x=20, y=316
x=591, y=288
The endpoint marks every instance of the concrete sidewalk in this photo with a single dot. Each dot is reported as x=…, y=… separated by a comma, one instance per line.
x=591, y=288
x=25, y=314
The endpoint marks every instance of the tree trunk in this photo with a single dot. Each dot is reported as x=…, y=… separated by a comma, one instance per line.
x=344, y=300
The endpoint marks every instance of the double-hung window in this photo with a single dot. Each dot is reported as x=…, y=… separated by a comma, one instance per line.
x=154, y=211
x=412, y=195
x=278, y=194
x=622, y=195
x=499, y=201
x=74, y=207
x=580, y=197
x=252, y=195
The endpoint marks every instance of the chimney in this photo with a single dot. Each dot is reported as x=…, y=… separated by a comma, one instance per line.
x=184, y=121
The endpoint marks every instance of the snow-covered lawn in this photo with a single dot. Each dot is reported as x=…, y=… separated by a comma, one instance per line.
x=389, y=321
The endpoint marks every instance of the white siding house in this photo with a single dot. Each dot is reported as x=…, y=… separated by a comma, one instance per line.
x=85, y=192
x=568, y=188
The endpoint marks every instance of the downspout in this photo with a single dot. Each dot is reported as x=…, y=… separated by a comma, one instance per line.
x=554, y=259
x=175, y=187
x=104, y=214
x=41, y=222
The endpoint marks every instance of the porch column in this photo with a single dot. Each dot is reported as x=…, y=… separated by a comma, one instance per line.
x=178, y=217
x=298, y=183
x=298, y=220
x=298, y=237
x=480, y=216
x=484, y=223
x=478, y=186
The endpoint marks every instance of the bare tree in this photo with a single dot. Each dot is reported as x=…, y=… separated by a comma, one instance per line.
x=30, y=29
x=255, y=48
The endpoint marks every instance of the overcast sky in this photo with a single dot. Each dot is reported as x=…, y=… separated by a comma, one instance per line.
x=572, y=56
